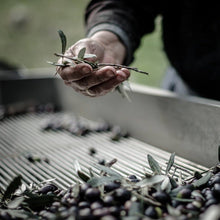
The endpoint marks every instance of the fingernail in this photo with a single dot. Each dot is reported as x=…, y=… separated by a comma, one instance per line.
x=86, y=70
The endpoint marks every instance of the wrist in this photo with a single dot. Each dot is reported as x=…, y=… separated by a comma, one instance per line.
x=111, y=42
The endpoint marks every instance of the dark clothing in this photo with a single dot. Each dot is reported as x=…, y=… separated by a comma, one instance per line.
x=191, y=34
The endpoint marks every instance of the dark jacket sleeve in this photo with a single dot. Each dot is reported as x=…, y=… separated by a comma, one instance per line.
x=129, y=20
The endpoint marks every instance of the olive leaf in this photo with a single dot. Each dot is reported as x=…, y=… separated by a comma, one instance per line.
x=89, y=55
x=183, y=199
x=170, y=162
x=80, y=174
x=15, y=203
x=154, y=165
x=145, y=199
x=166, y=185
x=151, y=181
x=98, y=181
x=173, y=182
x=76, y=190
x=202, y=181
x=63, y=40
x=12, y=187
x=83, y=176
x=81, y=53
x=122, y=91
x=16, y=214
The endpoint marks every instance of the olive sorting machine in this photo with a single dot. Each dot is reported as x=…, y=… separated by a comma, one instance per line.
x=159, y=122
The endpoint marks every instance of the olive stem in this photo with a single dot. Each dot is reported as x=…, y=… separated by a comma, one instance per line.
x=97, y=65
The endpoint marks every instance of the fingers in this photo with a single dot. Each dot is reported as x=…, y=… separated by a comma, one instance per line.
x=96, y=78
x=100, y=82
x=107, y=86
x=75, y=73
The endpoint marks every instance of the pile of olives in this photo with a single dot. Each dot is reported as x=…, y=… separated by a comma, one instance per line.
x=115, y=200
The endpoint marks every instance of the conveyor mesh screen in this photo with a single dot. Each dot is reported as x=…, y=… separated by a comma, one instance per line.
x=22, y=135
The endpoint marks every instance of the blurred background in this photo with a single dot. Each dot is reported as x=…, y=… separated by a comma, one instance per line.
x=29, y=37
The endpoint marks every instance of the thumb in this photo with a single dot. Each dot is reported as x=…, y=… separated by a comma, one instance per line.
x=94, y=50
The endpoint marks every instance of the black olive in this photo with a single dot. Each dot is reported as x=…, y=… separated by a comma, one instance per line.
x=161, y=197
x=72, y=201
x=47, y=215
x=151, y=212
x=216, y=191
x=205, y=190
x=108, y=200
x=73, y=210
x=85, y=214
x=111, y=186
x=190, y=206
x=92, y=151
x=184, y=193
x=108, y=217
x=209, y=195
x=62, y=208
x=92, y=194
x=53, y=209
x=64, y=214
x=96, y=205
x=98, y=213
x=215, y=180
x=83, y=205
x=47, y=188
x=83, y=189
x=175, y=203
x=122, y=195
x=56, y=204
x=114, y=210
x=102, y=162
x=152, y=190
x=133, y=178
x=210, y=202
x=216, y=170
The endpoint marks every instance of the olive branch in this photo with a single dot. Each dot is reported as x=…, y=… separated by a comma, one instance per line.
x=82, y=57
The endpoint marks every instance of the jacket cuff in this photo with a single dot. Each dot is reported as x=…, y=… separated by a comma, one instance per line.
x=121, y=35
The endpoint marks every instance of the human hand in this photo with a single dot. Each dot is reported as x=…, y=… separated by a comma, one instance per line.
x=82, y=78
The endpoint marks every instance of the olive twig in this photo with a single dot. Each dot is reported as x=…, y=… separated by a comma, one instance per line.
x=97, y=65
